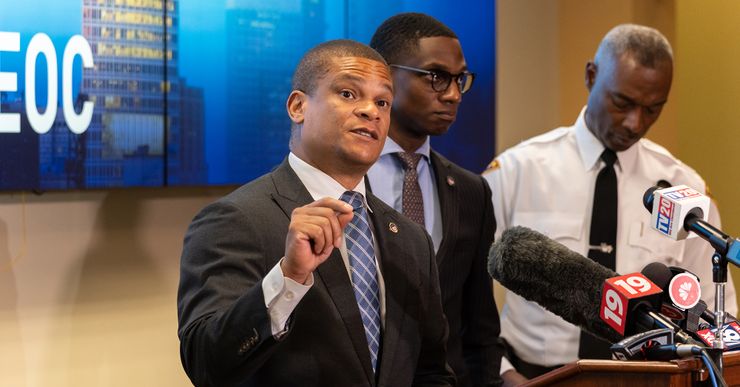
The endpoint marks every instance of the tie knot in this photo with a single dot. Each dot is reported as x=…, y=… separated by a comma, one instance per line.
x=609, y=157
x=353, y=198
x=409, y=160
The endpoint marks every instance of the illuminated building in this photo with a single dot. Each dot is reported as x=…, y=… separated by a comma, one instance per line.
x=265, y=40
x=131, y=41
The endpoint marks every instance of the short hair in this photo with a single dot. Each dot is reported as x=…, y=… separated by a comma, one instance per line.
x=399, y=35
x=316, y=63
x=646, y=45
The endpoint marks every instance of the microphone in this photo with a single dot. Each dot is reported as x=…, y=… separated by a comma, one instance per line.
x=573, y=287
x=546, y=272
x=633, y=347
x=682, y=292
x=730, y=335
x=672, y=351
x=674, y=205
x=682, y=288
x=680, y=209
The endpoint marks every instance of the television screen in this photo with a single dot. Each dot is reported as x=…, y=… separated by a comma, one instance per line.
x=115, y=93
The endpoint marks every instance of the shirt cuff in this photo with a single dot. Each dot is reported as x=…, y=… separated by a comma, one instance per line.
x=282, y=295
x=505, y=365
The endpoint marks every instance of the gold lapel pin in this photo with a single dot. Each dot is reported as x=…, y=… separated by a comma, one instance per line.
x=392, y=226
x=450, y=181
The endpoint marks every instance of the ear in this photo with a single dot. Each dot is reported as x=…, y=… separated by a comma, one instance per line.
x=591, y=70
x=296, y=106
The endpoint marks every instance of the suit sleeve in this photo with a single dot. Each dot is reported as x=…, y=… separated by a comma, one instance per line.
x=432, y=368
x=482, y=346
x=224, y=326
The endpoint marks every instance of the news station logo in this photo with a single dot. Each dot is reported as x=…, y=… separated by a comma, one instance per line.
x=682, y=194
x=684, y=290
x=665, y=215
x=730, y=336
x=621, y=294
x=667, y=206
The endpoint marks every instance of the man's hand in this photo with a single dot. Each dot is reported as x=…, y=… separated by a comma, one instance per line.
x=315, y=230
x=512, y=378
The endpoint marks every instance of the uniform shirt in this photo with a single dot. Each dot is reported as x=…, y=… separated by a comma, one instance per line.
x=386, y=180
x=547, y=184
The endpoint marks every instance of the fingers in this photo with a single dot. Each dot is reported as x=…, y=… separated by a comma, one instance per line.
x=322, y=223
x=319, y=230
x=344, y=212
x=314, y=231
x=329, y=215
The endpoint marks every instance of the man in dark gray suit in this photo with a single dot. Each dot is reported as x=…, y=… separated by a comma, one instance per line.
x=283, y=284
x=430, y=76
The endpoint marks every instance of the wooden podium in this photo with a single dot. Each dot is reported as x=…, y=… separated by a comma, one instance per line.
x=613, y=373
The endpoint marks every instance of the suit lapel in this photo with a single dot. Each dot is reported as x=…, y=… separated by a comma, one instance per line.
x=448, y=200
x=334, y=275
x=291, y=194
x=393, y=262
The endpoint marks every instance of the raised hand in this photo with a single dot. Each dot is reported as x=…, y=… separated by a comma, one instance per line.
x=314, y=231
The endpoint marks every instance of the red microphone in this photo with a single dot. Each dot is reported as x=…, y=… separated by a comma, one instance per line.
x=621, y=298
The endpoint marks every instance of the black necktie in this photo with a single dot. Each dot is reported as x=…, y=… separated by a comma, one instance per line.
x=602, y=242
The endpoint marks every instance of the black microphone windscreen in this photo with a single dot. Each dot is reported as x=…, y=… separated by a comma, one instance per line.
x=659, y=273
x=544, y=271
x=648, y=198
x=663, y=184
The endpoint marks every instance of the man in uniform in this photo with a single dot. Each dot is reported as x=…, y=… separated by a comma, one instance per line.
x=583, y=186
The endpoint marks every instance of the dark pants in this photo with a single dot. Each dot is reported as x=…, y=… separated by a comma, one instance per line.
x=529, y=370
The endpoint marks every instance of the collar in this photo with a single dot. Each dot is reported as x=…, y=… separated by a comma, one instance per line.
x=391, y=147
x=319, y=184
x=590, y=148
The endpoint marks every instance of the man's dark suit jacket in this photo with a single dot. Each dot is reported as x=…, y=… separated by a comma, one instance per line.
x=468, y=224
x=224, y=327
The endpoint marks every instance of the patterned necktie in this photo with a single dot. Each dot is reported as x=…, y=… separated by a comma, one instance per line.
x=361, y=252
x=413, y=203
x=602, y=241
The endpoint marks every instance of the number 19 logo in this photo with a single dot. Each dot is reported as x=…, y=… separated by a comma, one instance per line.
x=618, y=294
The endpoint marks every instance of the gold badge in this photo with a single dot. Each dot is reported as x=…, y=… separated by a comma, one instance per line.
x=494, y=165
x=392, y=226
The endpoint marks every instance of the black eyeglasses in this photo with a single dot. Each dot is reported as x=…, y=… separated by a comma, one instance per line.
x=441, y=80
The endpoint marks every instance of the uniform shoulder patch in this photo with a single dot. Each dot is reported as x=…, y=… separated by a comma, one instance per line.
x=494, y=165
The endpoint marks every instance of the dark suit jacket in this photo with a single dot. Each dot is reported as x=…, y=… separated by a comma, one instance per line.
x=474, y=349
x=224, y=327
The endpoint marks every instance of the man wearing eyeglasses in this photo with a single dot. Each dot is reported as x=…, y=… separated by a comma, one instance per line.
x=454, y=205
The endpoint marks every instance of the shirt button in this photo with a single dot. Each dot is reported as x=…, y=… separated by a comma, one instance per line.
x=288, y=296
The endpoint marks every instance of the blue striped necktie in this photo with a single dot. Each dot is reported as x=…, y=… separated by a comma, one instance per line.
x=361, y=252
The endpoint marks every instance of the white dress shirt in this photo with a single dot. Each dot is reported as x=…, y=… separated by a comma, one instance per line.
x=547, y=183
x=282, y=294
x=386, y=181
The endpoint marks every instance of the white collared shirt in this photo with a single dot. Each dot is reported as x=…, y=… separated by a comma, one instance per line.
x=282, y=294
x=547, y=183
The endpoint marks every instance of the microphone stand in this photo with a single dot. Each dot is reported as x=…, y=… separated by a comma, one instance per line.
x=726, y=249
x=719, y=275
